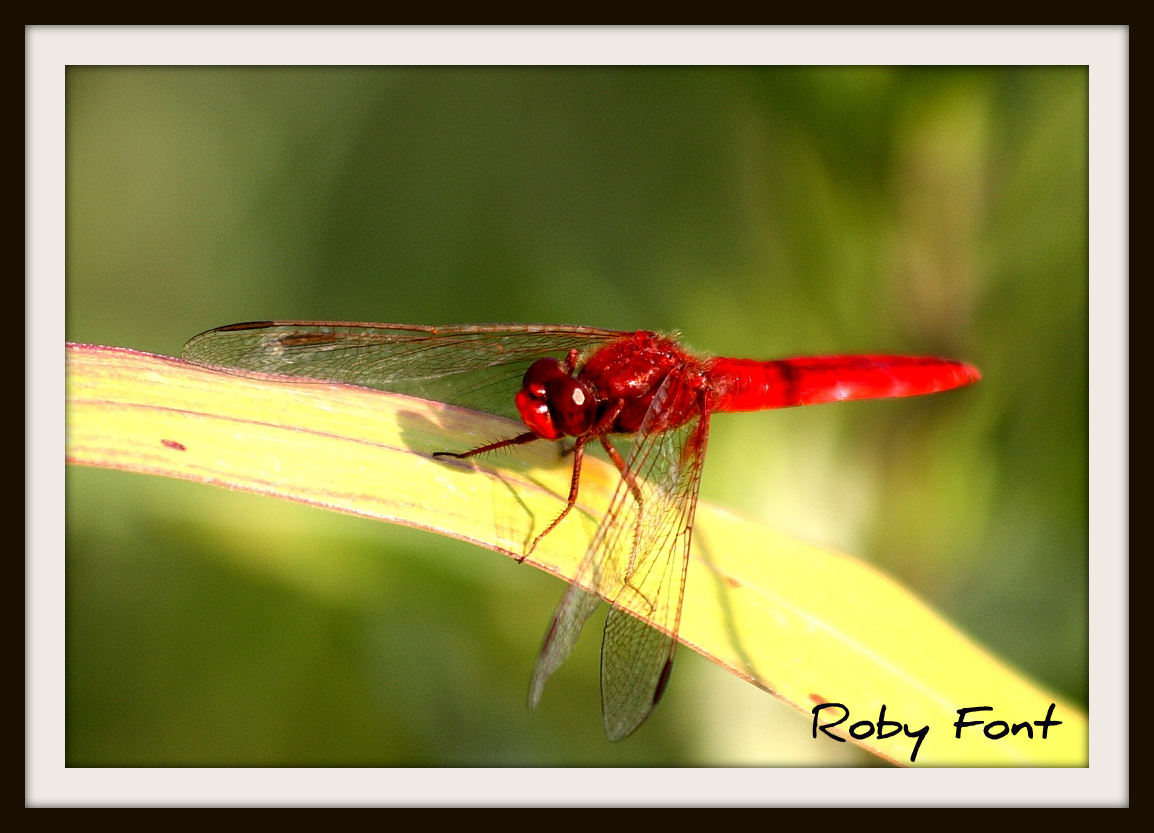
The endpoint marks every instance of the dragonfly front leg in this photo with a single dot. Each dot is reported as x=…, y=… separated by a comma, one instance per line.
x=520, y=439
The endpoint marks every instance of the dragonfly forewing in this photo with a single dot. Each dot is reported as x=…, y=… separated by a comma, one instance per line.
x=470, y=366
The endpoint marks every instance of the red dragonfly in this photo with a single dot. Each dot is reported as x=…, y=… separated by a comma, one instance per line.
x=586, y=384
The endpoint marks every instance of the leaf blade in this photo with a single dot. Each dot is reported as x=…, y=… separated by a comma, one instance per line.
x=798, y=621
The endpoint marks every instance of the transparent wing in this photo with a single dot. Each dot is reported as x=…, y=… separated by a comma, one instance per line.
x=471, y=366
x=637, y=559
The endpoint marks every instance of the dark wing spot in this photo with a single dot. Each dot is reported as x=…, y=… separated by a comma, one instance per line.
x=663, y=681
x=250, y=325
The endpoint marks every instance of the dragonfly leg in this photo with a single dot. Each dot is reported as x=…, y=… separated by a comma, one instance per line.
x=619, y=461
x=571, y=362
x=520, y=439
x=604, y=422
x=631, y=481
x=574, y=484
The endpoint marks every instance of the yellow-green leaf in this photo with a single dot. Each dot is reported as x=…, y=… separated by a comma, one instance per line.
x=809, y=625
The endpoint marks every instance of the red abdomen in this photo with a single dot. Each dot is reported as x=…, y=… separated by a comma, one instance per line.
x=747, y=385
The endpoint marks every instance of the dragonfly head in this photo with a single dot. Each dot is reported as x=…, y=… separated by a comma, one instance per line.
x=553, y=404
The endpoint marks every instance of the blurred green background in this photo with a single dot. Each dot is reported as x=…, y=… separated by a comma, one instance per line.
x=761, y=212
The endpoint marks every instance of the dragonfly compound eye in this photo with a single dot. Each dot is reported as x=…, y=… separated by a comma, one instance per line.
x=573, y=406
x=553, y=404
x=539, y=374
x=534, y=411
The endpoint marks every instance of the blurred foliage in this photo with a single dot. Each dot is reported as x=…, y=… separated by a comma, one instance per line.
x=761, y=212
